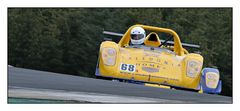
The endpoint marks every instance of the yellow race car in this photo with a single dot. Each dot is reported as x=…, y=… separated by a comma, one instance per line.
x=160, y=62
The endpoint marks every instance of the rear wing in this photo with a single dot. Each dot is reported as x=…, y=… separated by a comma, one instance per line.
x=168, y=42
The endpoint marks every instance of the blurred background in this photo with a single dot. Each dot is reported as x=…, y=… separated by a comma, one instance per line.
x=66, y=40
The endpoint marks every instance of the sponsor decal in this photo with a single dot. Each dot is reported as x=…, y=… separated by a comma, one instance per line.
x=150, y=59
x=150, y=70
x=151, y=65
x=142, y=74
x=166, y=79
x=212, y=79
x=151, y=54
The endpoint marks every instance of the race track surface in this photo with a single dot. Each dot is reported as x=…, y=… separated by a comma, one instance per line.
x=19, y=77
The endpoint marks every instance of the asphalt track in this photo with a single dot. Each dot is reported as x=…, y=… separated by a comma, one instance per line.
x=19, y=77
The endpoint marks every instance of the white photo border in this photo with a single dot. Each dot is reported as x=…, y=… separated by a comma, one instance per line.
x=5, y=4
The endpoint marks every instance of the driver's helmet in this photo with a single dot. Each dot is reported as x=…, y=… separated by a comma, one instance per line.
x=137, y=35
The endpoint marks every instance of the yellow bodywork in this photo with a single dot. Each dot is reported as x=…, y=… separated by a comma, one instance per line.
x=172, y=66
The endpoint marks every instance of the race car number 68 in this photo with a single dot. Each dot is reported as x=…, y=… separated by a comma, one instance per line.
x=127, y=67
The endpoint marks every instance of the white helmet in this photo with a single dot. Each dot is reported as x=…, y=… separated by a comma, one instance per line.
x=137, y=35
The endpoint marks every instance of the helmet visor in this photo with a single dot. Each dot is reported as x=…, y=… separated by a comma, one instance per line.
x=137, y=36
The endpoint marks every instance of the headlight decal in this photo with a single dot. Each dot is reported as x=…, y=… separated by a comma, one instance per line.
x=109, y=56
x=193, y=68
x=212, y=79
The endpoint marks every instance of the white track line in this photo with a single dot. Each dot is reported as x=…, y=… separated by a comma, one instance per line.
x=22, y=92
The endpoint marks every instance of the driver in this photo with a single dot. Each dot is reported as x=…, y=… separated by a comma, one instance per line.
x=138, y=36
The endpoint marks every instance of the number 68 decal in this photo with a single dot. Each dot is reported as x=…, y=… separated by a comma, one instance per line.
x=127, y=67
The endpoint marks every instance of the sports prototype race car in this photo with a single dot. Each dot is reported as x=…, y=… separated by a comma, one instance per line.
x=159, y=62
